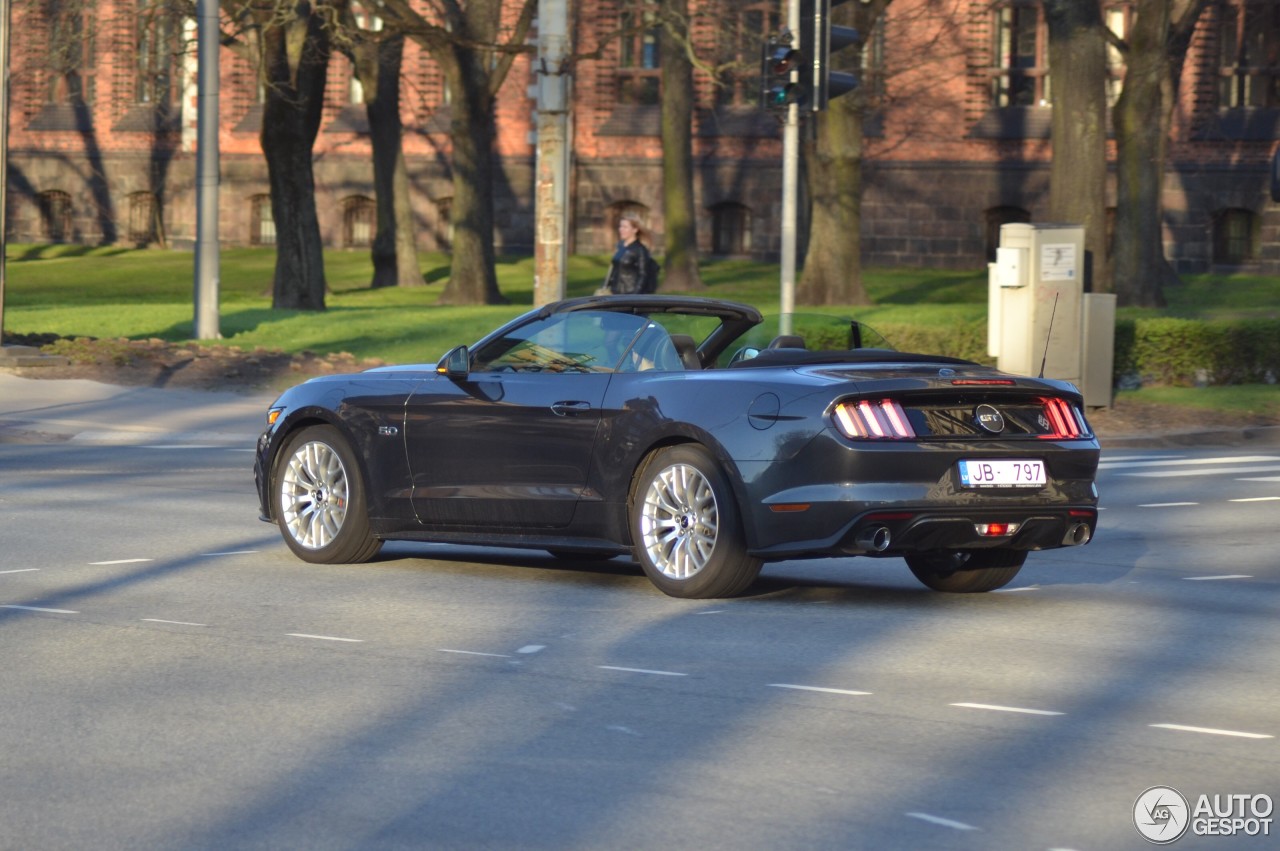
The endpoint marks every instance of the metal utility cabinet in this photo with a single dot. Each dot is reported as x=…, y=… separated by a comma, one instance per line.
x=1039, y=318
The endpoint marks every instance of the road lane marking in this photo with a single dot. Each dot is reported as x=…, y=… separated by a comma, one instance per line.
x=1221, y=471
x=175, y=623
x=231, y=553
x=532, y=648
x=41, y=609
x=995, y=708
x=324, y=637
x=821, y=689
x=1166, y=504
x=1256, y=499
x=943, y=822
x=1182, y=462
x=473, y=653
x=1212, y=578
x=1263, y=479
x=642, y=671
x=1212, y=731
x=22, y=570
x=1145, y=459
x=120, y=561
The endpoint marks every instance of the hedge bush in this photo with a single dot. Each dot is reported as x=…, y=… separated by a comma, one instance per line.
x=1174, y=352
x=1189, y=353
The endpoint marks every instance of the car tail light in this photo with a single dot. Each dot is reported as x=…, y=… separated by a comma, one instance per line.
x=1063, y=419
x=873, y=420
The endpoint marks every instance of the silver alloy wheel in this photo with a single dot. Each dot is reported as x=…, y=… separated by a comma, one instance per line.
x=314, y=493
x=680, y=521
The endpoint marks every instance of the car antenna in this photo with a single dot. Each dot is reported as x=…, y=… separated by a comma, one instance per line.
x=1052, y=313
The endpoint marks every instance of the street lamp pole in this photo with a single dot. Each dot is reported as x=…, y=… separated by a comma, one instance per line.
x=207, y=256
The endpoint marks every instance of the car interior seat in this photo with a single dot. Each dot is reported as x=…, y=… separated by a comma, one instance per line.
x=687, y=348
x=787, y=341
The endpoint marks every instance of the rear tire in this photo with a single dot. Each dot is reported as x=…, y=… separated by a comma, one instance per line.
x=686, y=527
x=319, y=500
x=967, y=571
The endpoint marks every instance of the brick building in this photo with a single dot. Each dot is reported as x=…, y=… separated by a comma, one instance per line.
x=102, y=134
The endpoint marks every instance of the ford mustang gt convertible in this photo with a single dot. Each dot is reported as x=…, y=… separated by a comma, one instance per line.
x=692, y=436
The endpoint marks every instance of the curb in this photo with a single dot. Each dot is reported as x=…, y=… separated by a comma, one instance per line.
x=1256, y=435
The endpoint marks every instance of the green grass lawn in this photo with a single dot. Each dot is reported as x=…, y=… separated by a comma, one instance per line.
x=112, y=292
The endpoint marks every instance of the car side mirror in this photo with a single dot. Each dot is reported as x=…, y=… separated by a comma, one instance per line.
x=456, y=364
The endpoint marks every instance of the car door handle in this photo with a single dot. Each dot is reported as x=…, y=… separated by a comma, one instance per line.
x=564, y=409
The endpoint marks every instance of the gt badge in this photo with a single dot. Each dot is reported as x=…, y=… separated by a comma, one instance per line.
x=988, y=418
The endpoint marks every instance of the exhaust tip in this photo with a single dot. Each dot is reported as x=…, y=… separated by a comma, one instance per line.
x=875, y=540
x=1077, y=535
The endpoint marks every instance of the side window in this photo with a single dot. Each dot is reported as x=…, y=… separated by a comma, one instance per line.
x=583, y=341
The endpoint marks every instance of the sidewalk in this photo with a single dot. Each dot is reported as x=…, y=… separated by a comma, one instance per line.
x=90, y=412
x=34, y=409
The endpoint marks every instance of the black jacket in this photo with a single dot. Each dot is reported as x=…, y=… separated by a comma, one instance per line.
x=626, y=272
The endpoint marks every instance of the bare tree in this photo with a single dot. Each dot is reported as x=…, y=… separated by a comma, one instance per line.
x=1154, y=52
x=292, y=43
x=1078, y=171
x=680, y=270
x=833, y=261
x=377, y=56
x=476, y=52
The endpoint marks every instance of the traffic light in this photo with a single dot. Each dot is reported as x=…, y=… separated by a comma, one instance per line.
x=818, y=41
x=777, y=90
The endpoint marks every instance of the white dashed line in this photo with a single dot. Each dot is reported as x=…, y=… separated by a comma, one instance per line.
x=1212, y=732
x=943, y=822
x=175, y=623
x=473, y=653
x=41, y=609
x=1013, y=590
x=1262, y=479
x=324, y=637
x=532, y=648
x=1256, y=499
x=995, y=708
x=120, y=561
x=231, y=553
x=22, y=570
x=1212, y=578
x=1178, y=461
x=820, y=689
x=642, y=671
x=1220, y=471
x=1166, y=504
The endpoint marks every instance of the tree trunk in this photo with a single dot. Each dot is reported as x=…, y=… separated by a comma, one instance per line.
x=1143, y=117
x=395, y=253
x=1078, y=170
x=833, y=163
x=473, y=279
x=295, y=62
x=680, y=269
x=833, y=260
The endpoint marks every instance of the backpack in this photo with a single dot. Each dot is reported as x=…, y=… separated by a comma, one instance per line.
x=652, y=268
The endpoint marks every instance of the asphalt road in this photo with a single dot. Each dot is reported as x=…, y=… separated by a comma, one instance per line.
x=174, y=679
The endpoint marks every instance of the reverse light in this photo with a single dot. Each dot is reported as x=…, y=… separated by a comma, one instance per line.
x=996, y=530
x=873, y=420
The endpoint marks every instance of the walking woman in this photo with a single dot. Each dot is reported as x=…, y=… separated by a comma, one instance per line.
x=631, y=269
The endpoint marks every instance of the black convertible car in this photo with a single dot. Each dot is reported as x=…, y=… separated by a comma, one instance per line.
x=690, y=434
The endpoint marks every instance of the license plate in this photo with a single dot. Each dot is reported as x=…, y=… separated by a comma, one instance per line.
x=1002, y=473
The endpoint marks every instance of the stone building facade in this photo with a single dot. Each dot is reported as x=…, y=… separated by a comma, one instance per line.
x=102, y=133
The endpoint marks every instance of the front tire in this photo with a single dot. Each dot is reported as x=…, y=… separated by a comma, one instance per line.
x=967, y=571
x=686, y=527
x=319, y=499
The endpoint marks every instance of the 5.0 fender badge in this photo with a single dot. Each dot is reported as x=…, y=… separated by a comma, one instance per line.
x=989, y=419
